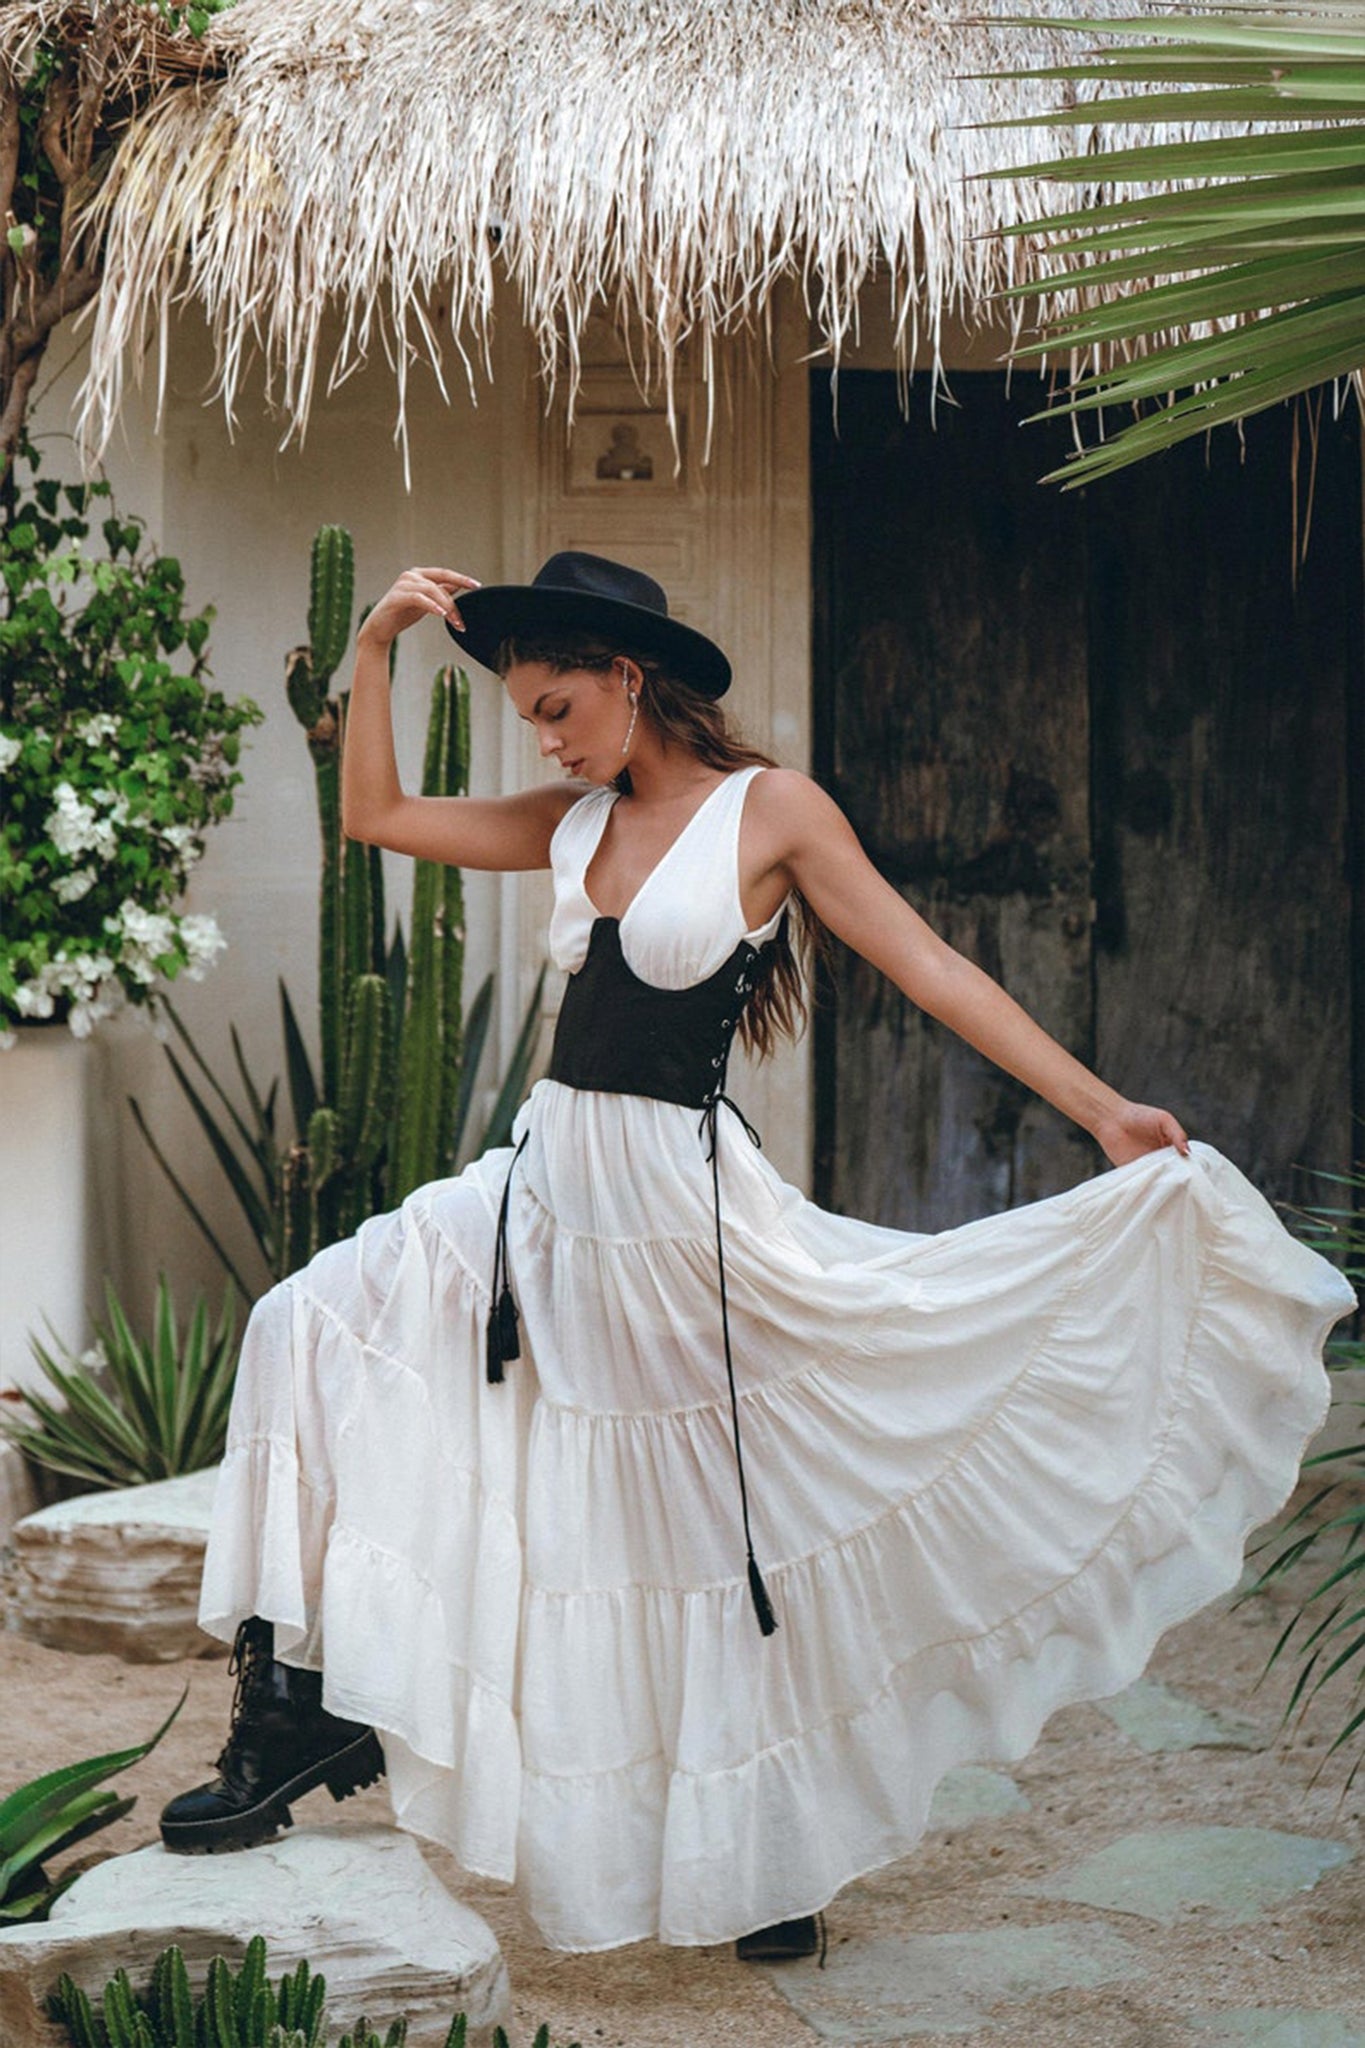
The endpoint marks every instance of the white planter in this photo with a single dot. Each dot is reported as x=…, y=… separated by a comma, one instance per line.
x=46, y=1201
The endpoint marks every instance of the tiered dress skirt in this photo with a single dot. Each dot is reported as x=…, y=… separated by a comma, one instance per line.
x=987, y=1469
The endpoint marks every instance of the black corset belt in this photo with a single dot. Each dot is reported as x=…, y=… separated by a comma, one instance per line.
x=622, y=1036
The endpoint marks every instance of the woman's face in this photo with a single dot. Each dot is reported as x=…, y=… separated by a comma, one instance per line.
x=580, y=716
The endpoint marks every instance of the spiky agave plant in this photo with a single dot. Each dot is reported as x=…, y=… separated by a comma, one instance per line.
x=1203, y=279
x=44, y=1818
x=138, y=1409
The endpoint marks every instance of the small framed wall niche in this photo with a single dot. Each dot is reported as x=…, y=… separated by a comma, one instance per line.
x=627, y=452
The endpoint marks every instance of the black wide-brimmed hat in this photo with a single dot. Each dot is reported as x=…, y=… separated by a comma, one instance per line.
x=587, y=593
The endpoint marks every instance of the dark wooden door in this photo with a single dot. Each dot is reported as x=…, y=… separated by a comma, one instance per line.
x=1100, y=740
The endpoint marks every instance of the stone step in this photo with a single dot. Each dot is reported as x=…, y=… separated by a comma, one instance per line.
x=358, y=1902
x=116, y=1571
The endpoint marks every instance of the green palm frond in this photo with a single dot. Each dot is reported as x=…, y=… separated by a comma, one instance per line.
x=1204, y=278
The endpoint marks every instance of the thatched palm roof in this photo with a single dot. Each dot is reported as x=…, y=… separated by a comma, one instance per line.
x=675, y=158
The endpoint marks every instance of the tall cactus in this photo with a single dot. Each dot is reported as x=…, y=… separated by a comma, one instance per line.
x=390, y=1016
x=308, y=673
x=432, y=1038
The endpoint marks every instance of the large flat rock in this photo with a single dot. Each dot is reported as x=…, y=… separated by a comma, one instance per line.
x=360, y=1903
x=116, y=1572
x=18, y=1494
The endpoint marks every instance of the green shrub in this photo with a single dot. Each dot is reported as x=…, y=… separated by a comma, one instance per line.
x=118, y=758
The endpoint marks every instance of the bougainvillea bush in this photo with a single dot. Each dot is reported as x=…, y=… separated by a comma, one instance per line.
x=116, y=757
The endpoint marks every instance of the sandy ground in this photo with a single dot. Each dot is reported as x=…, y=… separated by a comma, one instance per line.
x=1086, y=1783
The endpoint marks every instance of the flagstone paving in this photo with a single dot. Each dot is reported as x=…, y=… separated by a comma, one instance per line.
x=1232, y=1873
x=1293, y=2029
x=1158, y=1718
x=931, y=1985
x=975, y=1794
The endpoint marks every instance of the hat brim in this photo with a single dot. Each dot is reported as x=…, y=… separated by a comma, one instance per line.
x=507, y=611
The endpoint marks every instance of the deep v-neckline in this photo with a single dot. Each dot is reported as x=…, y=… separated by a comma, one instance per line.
x=664, y=857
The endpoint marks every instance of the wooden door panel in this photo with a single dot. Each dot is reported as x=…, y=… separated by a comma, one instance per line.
x=951, y=725
x=1219, y=697
x=1021, y=696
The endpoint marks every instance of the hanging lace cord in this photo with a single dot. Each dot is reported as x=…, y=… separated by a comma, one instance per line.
x=503, y=1340
x=710, y=1123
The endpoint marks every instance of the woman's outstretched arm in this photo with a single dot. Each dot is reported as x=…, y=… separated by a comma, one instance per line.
x=808, y=836
x=469, y=832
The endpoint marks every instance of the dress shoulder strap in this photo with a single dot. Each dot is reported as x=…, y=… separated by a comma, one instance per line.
x=574, y=839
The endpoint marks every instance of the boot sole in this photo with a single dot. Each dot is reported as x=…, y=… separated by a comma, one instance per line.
x=346, y=1771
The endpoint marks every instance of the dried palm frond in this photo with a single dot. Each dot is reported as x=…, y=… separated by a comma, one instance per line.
x=380, y=161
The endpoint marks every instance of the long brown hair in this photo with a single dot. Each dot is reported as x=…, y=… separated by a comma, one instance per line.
x=778, y=1005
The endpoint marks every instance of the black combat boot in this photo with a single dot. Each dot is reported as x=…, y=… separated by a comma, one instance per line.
x=280, y=1745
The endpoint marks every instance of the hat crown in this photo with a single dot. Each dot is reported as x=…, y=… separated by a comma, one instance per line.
x=595, y=576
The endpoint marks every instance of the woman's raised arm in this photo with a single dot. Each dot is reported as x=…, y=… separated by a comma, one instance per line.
x=467, y=832
x=809, y=836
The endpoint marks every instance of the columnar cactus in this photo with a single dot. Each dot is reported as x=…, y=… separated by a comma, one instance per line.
x=237, y=2009
x=390, y=1017
x=432, y=1041
x=240, y=2009
x=308, y=673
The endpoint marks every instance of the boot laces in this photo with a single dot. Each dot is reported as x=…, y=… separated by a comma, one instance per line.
x=250, y=1660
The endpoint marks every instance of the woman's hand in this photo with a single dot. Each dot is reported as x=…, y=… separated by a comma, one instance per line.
x=1134, y=1128
x=417, y=594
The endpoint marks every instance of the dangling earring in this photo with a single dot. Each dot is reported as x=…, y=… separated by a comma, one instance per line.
x=634, y=696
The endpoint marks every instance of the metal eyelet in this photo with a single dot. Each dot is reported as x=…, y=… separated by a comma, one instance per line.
x=718, y=1062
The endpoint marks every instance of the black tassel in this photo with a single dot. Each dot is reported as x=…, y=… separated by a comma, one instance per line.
x=504, y=1339
x=763, y=1606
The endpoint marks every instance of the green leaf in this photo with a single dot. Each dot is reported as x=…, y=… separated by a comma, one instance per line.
x=37, y=1797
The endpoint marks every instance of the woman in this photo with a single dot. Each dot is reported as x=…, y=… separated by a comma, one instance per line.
x=675, y=1535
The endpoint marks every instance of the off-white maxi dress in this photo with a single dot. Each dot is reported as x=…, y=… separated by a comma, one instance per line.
x=987, y=1469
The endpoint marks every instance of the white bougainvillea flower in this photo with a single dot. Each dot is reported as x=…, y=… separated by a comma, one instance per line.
x=184, y=841
x=69, y=822
x=85, y=1016
x=203, y=942
x=147, y=936
x=71, y=888
x=10, y=750
x=75, y=827
x=101, y=725
x=33, y=999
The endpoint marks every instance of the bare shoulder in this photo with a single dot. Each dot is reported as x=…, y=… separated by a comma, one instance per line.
x=790, y=810
x=552, y=800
